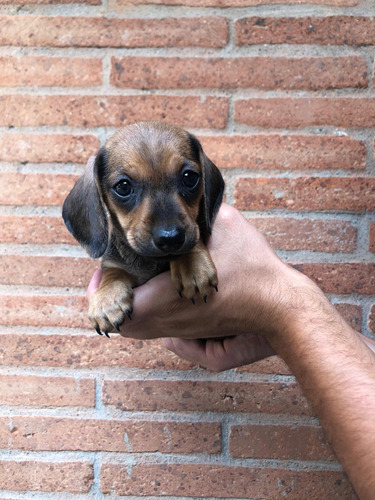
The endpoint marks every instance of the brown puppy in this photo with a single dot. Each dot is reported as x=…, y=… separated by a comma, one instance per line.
x=146, y=204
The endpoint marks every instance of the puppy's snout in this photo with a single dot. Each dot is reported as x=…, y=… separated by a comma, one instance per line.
x=168, y=239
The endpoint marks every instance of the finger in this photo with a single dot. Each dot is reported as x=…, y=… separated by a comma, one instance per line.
x=94, y=283
x=190, y=349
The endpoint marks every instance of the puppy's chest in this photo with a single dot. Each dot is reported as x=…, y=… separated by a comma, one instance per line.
x=140, y=268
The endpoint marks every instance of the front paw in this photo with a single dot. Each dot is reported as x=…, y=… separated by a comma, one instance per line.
x=194, y=274
x=110, y=305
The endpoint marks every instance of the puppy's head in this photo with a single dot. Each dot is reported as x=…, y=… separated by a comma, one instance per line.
x=157, y=187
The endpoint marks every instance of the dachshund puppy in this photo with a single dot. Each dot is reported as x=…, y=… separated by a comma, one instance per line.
x=145, y=204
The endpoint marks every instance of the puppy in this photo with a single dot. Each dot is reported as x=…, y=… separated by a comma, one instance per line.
x=145, y=205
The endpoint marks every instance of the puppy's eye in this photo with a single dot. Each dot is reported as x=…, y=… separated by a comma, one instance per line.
x=190, y=178
x=123, y=188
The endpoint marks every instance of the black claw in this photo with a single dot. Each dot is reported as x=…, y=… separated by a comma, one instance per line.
x=179, y=293
x=129, y=313
x=117, y=326
x=107, y=335
x=216, y=288
x=97, y=329
x=205, y=299
x=193, y=301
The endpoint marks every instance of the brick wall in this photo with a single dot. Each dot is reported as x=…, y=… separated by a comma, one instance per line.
x=281, y=94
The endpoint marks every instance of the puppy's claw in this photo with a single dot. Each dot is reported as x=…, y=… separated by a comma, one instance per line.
x=97, y=329
x=205, y=299
x=216, y=288
x=117, y=326
x=129, y=313
x=107, y=335
x=180, y=293
x=193, y=301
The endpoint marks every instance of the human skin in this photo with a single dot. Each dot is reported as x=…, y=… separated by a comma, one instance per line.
x=265, y=306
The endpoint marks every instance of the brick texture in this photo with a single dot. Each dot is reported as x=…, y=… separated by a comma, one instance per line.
x=233, y=482
x=333, y=30
x=280, y=94
x=305, y=442
x=111, y=110
x=59, y=31
x=50, y=71
x=226, y=73
x=72, y=477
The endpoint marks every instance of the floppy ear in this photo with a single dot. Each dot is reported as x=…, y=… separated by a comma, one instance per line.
x=83, y=210
x=213, y=188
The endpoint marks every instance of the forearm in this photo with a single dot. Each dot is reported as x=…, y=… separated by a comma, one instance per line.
x=336, y=370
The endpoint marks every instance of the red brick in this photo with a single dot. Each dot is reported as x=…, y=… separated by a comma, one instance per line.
x=273, y=364
x=114, y=111
x=371, y=320
x=372, y=237
x=121, y=5
x=73, y=434
x=332, y=30
x=32, y=390
x=311, y=73
x=306, y=193
x=44, y=71
x=35, y=230
x=46, y=271
x=286, y=152
x=219, y=481
x=342, y=278
x=279, y=442
x=83, y=31
x=39, y=148
x=286, y=233
x=253, y=397
x=74, y=477
x=35, y=189
x=352, y=314
x=286, y=112
x=68, y=311
x=86, y=351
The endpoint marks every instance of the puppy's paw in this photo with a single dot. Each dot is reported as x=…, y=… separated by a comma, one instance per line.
x=110, y=305
x=194, y=274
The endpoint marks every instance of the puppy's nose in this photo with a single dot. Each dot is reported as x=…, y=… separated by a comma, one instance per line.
x=168, y=239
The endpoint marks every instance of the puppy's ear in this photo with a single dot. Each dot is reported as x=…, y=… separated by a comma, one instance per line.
x=213, y=188
x=83, y=210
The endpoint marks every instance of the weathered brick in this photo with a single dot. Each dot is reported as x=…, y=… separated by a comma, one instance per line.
x=286, y=233
x=46, y=271
x=68, y=311
x=39, y=148
x=35, y=230
x=286, y=152
x=342, y=278
x=35, y=189
x=83, y=31
x=352, y=314
x=73, y=434
x=311, y=73
x=330, y=30
x=49, y=476
x=254, y=397
x=45, y=71
x=306, y=193
x=33, y=390
x=279, y=442
x=286, y=112
x=371, y=320
x=86, y=351
x=372, y=237
x=120, y=5
x=114, y=111
x=220, y=481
